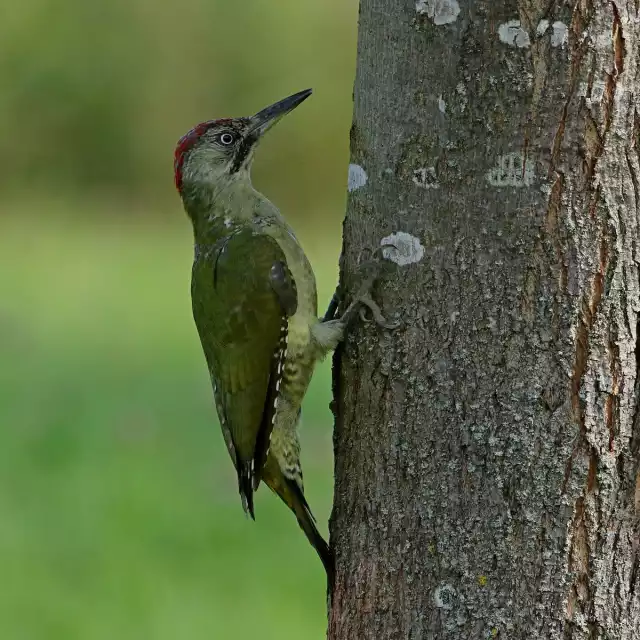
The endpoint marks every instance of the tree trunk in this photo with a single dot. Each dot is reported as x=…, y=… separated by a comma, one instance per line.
x=488, y=451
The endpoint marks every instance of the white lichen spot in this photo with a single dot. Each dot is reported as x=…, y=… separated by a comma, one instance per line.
x=593, y=97
x=402, y=248
x=559, y=34
x=228, y=222
x=512, y=170
x=440, y=11
x=545, y=188
x=513, y=34
x=357, y=177
x=444, y=596
x=462, y=92
x=425, y=178
x=597, y=93
x=542, y=27
x=442, y=105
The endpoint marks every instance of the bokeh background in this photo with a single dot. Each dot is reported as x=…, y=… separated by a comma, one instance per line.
x=119, y=513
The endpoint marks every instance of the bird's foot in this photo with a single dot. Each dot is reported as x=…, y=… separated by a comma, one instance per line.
x=363, y=298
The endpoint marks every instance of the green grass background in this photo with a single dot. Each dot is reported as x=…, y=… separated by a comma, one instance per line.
x=120, y=516
x=119, y=511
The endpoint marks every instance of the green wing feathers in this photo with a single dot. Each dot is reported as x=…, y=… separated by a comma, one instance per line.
x=243, y=295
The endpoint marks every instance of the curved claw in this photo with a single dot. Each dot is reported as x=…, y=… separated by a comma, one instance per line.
x=376, y=312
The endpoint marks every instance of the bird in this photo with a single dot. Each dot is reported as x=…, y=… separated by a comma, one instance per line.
x=254, y=303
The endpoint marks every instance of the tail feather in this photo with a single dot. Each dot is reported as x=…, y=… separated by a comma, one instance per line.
x=305, y=518
x=245, y=486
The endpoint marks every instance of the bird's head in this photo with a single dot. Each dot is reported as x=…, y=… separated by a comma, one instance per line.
x=219, y=150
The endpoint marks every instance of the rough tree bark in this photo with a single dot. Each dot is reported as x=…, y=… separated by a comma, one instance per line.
x=488, y=451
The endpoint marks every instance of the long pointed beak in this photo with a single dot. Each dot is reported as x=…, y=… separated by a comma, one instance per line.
x=265, y=119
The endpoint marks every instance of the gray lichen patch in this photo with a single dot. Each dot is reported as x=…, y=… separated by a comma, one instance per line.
x=444, y=596
x=513, y=34
x=357, y=177
x=559, y=32
x=425, y=178
x=402, y=248
x=440, y=11
x=512, y=170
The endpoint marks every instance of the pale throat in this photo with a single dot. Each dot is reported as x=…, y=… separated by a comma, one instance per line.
x=229, y=202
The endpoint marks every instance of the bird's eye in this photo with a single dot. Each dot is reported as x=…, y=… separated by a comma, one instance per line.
x=227, y=139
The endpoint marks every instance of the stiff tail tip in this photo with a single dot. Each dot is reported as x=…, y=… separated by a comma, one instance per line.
x=245, y=486
x=307, y=524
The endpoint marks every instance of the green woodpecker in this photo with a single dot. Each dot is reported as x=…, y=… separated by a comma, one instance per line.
x=255, y=307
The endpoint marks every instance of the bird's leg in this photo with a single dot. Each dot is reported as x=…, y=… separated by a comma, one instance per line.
x=330, y=313
x=364, y=299
x=329, y=331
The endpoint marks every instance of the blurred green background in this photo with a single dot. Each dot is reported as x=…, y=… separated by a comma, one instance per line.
x=119, y=512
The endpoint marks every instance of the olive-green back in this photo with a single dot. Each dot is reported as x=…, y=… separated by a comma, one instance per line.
x=239, y=317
